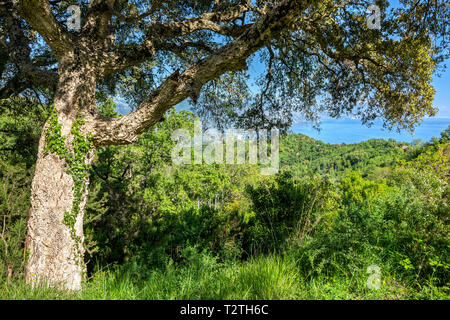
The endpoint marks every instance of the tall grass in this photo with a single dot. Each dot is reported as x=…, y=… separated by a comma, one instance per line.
x=269, y=277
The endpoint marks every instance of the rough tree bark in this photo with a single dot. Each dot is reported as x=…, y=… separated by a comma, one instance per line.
x=50, y=249
x=83, y=60
x=53, y=252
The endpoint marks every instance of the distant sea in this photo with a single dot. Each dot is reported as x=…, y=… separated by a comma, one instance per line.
x=347, y=131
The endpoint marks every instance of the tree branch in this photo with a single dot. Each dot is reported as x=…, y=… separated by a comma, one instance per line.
x=39, y=15
x=18, y=48
x=178, y=87
x=98, y=18
x=159, y=32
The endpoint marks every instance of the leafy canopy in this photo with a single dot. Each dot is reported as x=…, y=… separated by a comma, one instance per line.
x=327, y=61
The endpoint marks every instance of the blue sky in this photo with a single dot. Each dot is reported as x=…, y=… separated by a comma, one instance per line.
x=442, y=97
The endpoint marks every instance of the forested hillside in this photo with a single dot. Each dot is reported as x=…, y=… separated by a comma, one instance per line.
x=155, y=230
x=306, y=155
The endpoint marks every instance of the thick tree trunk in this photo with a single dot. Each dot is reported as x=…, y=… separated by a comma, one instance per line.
x=53, y=256
x=54, y=247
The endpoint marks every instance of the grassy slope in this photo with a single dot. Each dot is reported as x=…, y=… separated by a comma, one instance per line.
x=270, y=277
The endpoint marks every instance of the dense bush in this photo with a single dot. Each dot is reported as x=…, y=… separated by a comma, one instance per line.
x=396, y=226
x=287, y=209
x=141, y=207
